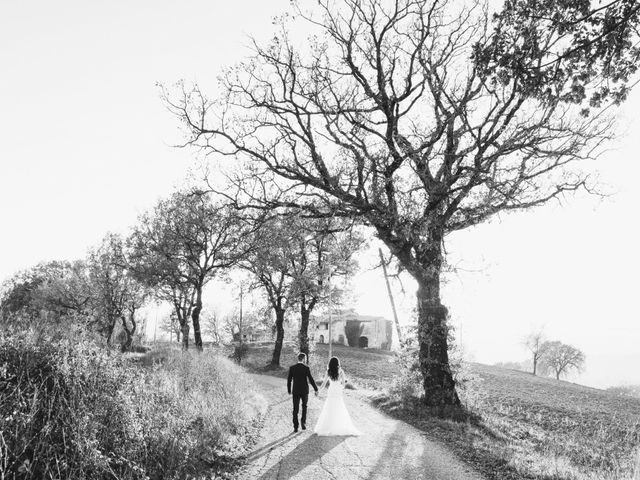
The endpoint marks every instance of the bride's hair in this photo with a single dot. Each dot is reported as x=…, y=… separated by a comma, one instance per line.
x=334, y=368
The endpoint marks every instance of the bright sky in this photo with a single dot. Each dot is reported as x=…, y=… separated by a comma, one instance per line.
x=85, y=147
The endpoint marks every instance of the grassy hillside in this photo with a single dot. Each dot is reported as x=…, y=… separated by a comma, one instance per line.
x=546, y=428
x=519, y=426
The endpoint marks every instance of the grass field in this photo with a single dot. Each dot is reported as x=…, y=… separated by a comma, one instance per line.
x=519, y=426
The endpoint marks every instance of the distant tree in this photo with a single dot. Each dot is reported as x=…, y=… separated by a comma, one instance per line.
x=45, y=292
x=625, y=390
x=171, y=325
x=181, y=245
x=252, y=318
x=535, y=342
x=232, y=325
x=521, y=366
x=422, y=118
x=212, y=325
x=560, y=358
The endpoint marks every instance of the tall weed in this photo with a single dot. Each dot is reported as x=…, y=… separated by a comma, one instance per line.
x=70, y=409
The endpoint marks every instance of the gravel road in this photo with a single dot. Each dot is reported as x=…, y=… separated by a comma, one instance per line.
x=388, y=448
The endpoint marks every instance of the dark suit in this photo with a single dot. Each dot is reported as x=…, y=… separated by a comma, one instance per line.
x=299, y=374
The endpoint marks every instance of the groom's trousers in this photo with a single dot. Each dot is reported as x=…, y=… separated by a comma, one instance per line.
x=296, y=408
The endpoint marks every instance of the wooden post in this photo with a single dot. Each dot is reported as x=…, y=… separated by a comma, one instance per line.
x=240, y=327
x=393, y=304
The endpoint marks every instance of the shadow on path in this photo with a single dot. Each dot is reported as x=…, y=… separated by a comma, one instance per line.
x=309, y=451
x=264, y=449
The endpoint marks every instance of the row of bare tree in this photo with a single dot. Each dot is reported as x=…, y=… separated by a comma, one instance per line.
x=174, y=251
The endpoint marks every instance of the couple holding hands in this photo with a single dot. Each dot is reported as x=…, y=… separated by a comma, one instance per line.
x=334, y=419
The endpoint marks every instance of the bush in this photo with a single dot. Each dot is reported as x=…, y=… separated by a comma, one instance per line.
x=240, y=352
x=65, y=412
x=73, y=410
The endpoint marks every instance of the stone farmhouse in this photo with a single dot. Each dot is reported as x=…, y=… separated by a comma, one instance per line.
x=354, y=330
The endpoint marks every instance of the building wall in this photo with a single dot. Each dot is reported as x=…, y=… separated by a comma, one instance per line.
x=376, y=329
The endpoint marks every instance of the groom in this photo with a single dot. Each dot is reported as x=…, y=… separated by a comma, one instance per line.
x=299, y=373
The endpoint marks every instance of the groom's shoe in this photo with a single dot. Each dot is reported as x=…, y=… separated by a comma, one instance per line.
x=295, y=430
x=304, y=427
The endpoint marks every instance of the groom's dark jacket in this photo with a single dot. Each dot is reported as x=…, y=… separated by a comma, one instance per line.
x=299, y=373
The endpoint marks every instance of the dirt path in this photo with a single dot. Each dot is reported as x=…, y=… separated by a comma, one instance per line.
x=388, y=448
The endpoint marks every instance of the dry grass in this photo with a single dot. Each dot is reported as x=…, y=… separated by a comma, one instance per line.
x=70, y=409
x=516, y=426
x=554, y=429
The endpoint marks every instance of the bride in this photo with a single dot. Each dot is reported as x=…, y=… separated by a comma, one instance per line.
x=334, y=418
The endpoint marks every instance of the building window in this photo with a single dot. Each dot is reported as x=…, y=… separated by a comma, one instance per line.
x=321, y=339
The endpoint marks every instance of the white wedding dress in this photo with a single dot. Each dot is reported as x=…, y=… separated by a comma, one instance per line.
x=334, y=419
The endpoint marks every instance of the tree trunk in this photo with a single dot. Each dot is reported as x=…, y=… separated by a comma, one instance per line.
x=277, y=349
x=195, y=318
x=535, y=364
x=126, y=346
x=185, y=334
x=439, y=386
x=303, y=334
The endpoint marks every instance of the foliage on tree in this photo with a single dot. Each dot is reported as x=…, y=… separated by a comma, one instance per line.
x=270, y=263
x=98, y=291
x=574, y=52
x=45, y=293
x=180, y=246
x=115, y=295
x=421, y=118
x=560, y=358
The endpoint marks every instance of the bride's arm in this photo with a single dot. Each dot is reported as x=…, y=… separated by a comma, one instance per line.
x=325, y=383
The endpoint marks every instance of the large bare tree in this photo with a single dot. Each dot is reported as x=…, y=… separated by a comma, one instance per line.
x=420, y=117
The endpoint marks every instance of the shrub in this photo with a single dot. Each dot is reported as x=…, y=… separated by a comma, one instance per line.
x=73, y=410
x=65, y=412
x=240, y=352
